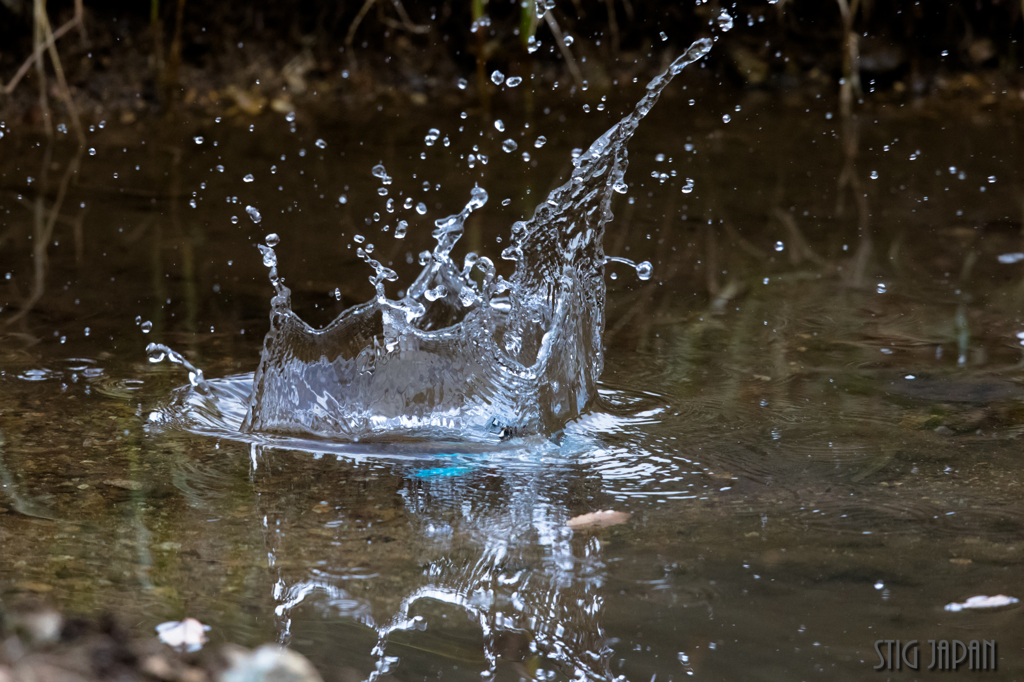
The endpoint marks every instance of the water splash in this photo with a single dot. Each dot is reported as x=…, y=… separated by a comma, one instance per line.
x=465, y=353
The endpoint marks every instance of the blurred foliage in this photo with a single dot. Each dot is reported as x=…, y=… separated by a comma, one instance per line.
x=907, y=35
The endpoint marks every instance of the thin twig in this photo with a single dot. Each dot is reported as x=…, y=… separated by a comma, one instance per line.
x=566, y=53
x=62, y=82
x=38, y=51
x=351, y=36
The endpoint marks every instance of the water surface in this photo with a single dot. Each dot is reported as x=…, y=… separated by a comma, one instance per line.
x=811, y=409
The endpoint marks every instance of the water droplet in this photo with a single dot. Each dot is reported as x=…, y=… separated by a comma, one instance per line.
x=379, y=171
x=620, y=187
x=272, y=239
x=880, y=288
x=192, y=203
x=198, y=139
x=138, y=319
x=440, y=291
x=147, y=327
x=253, y=213
x=724, y=21
x=513, y=81
x=383, y=191
x=343, y=199
x=497, y=77
x=421, y=208
x=321, y=144
x=532, y=44
x=659, y=157
x=401, y=229
x=509, y=145
x=569, y=40
x=688, y=186
x=779, y=246
x=462, y=83
x=248, y=178
x=644, y=269
x=664, y=36
x=540, y=141
x=290, y=116
x=234, y=220
x=874, y=175
x=220, y=168
x=432, y=136
x=991, y=179
x=359, y=239
x=499, y=125
x=726, y=118
x=506, y=202
x=92, y=151
x=424, y=257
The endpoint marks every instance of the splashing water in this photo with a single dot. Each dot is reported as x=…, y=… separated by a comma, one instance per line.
x=477, y=358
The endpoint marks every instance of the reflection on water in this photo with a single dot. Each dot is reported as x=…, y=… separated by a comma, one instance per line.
x=812, y=410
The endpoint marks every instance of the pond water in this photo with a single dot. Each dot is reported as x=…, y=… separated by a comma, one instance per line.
x=811, y=410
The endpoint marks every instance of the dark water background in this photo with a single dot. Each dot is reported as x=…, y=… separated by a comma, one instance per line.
x=812, y=410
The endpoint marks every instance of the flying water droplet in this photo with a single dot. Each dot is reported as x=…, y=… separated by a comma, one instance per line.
x=432, y=136
x=92, y=151
x=540, y=141
x=620, y=187
x=198, y=139
x=146, y=327
x=724, y=21
x=779, y=246
x=321, y=144
x=569, y=40
x=253, y=213
x=272, y=239
x=462, y=83
x=440, y=291
x=726, y=118
x=509, y=145
x=644, y=269
x=532, y=44
x=874, y=175
x=513, y=81
x=337, y=294
x=248, y=178
x=688, y=186
x=421, y=208
x=497, y=77
x=401, y=229
x=379, y=171
x=499, y=125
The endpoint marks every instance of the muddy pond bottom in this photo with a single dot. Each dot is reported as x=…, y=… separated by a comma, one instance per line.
x=811, y=412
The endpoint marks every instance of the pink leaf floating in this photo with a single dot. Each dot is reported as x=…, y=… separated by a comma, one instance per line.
x=598, y=519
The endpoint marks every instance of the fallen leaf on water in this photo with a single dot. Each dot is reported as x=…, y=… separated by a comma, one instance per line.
x=598, y=519
x=983, y=602
x=188, y=634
